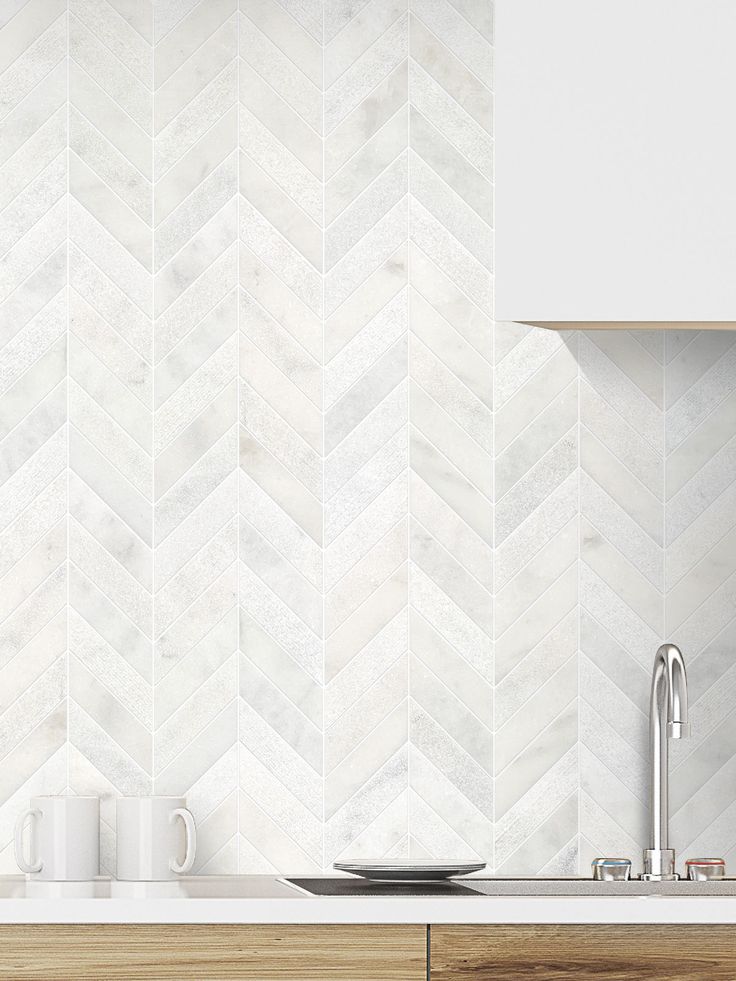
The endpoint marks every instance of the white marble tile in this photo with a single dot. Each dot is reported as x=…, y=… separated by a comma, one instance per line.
x=316, y=499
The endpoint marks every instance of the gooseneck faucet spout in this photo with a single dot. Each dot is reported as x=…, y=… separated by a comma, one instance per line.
x=667, y=720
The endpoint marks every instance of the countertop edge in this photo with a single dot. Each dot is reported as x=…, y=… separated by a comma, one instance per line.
x=335, y=910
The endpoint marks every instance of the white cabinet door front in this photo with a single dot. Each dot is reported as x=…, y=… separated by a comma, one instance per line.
x=616, y=160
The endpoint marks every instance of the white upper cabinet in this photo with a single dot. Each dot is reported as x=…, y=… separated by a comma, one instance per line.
x=616, y=163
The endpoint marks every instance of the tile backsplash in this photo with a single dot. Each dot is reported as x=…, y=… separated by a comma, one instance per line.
x=287, y=523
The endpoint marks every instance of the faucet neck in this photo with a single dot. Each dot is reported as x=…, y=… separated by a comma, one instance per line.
x=659, y=756
x=667, y=719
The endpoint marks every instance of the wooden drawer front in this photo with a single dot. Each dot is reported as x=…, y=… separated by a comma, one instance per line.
x=144, y=952
x=573, y=953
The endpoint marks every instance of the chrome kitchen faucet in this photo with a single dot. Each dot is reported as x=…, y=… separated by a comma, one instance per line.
x=667, y=720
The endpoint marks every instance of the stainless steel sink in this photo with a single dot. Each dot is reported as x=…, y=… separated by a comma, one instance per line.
x=469, y=887
x=589, y=887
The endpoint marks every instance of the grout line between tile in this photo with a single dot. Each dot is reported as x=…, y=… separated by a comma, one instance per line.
x=68, y=388
x=237, y=447
x=408, y=448
x=153, y=401
x=494, y=412
x=578, y=862
x=323, y=281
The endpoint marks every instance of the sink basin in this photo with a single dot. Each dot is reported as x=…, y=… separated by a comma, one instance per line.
x=470, y=887
x=589, y=887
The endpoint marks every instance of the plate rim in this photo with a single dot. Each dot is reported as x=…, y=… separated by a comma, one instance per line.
x=421, y=868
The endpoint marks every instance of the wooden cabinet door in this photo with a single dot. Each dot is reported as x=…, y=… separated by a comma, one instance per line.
x=574, y=953
x=200, y=952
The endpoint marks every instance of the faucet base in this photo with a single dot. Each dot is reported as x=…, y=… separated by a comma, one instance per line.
x=659, y=865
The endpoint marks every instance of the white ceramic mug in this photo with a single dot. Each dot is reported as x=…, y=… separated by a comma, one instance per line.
x=156, y=838
x=64, y=839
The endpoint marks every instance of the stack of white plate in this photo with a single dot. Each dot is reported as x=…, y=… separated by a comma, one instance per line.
x=408, y=871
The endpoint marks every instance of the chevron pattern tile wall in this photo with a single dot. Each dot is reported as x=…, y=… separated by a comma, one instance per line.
x=536, y=601
x=365, y=432
x=34, y=380
x=110, y=478
x=195, y=438
x=281, y=499
x=451, y=432
x=700, y=528
x=289, y=525
x=621, y=580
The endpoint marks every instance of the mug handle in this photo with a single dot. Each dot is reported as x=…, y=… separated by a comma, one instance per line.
x=24, y=866
x=191, y=832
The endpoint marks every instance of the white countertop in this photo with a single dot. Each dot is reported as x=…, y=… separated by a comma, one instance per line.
x=265, y=899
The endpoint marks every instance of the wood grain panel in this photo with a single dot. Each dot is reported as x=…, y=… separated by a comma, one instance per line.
x=573, y=953
x=185, y=952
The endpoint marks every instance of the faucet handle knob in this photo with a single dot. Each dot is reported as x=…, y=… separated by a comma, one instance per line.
x=678, y=730
x=705, y=869
x=611, y=869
